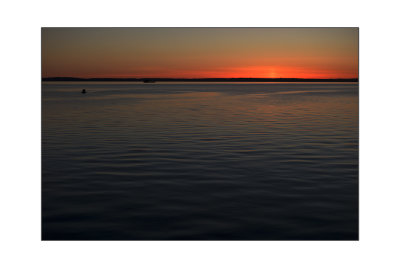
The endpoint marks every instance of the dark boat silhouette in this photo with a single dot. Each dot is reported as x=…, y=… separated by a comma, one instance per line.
x=83, y=91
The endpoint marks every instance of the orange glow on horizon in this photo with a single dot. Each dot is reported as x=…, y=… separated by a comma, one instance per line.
x=200, y=52
x=244, y=72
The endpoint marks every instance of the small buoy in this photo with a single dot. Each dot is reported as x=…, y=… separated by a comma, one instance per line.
x=83, y=91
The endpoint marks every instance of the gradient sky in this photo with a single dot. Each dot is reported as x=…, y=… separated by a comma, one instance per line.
x=200, y=52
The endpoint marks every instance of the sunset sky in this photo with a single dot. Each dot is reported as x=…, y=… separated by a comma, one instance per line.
x=200, y=52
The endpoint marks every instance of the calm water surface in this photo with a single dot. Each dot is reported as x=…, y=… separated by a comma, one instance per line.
x=201, y=161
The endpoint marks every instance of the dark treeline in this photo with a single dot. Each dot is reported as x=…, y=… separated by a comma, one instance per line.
x=200, y=79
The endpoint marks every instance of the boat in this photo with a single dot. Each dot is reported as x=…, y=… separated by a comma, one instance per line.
x=83, y=91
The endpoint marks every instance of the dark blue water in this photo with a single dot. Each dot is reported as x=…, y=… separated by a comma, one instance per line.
x=201, y=161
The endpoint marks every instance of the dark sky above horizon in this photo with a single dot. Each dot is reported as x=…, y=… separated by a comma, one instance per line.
x=200, y=52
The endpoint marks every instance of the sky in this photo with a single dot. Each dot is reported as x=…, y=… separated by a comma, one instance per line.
x=200, y=52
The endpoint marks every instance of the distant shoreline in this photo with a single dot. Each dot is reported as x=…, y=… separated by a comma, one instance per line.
x=73, y=79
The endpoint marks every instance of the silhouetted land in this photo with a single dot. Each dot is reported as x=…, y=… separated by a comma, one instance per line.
x=199, y=79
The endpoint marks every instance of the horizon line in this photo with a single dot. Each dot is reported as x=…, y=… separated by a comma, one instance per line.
x=191, y=78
